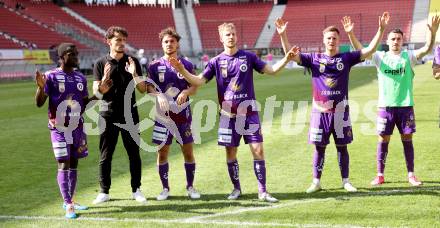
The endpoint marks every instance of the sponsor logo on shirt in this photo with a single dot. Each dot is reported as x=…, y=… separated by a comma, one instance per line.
x=161, y=71
x=400, y=71
x=330, y=92
x=330, y=82
x=61, y=87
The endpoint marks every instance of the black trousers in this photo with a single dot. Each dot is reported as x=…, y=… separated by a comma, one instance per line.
x=107, y=143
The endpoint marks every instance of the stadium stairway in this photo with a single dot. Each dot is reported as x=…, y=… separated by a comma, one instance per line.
x=418, y=27
x=181, y=22
x=196, y=42
x=269, y=29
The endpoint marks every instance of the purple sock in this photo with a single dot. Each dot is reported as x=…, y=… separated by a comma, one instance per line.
x=63, y=183
x=233, y=173
x=318, y=161
x=163, y=173
x=343, y=160
x=260, y=173
x=408, y=150
x=381, y=157
x=73, y=175
x=190, y=169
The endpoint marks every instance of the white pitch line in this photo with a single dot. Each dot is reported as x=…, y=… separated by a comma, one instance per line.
x=304, y=201
x=178, y=221
x=198, y=219
x=242, y=210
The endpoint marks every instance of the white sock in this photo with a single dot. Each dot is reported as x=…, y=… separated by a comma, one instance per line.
x=410, y=174
x=316, y=181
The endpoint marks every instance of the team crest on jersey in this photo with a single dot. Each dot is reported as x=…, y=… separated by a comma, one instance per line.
x=80, y=86
x=61, y=87
x=321, y=67
x=339, y=66
x=243, y=67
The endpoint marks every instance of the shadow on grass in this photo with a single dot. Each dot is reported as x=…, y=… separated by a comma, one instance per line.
x=216, y=202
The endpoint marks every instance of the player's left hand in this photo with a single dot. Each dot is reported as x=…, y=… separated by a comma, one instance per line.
x=182, y=97
x=435, y=21
x=384, y=20
x=176, y=64
x=131, y=66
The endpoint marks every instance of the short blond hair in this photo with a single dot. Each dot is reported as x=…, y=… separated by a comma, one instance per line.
x=225, y=26
x=331, y=28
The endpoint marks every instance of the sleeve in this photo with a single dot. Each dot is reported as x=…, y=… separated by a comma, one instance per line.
x=257, y=63
x=306, y=59
x=48, y=87
x=376, y=58
x=85, y=92
x=98, y=70
x=354, y=57
x=152, y=76
x=209, y=71
x=412, y=58
x=191, y=68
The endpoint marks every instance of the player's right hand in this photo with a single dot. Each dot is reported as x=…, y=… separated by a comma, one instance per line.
x=106, y=82
x=347, y=23
x=383, y=20
x=40, y=79
x=294, y=51
x=176, y=64
x=163, y=102
x=281, y=25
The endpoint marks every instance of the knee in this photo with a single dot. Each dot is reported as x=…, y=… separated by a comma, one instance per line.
x=406, y=137
x=64, y=165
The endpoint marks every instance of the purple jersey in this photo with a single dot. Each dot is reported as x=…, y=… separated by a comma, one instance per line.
x=235, y=82
x=66, y=92
x=330, y=78
x=171, y=83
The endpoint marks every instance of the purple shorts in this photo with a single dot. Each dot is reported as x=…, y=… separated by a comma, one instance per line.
x=64, y=150
x=182, y=133
x=402, y=117
x=231, y=130
x=323, y=124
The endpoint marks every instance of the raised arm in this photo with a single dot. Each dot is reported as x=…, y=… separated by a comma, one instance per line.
x=348, y=27
x=430, y=38
x=40, y=96
x=196, y=80
x=291, y=55
x=281, y=26
x=383, y=23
